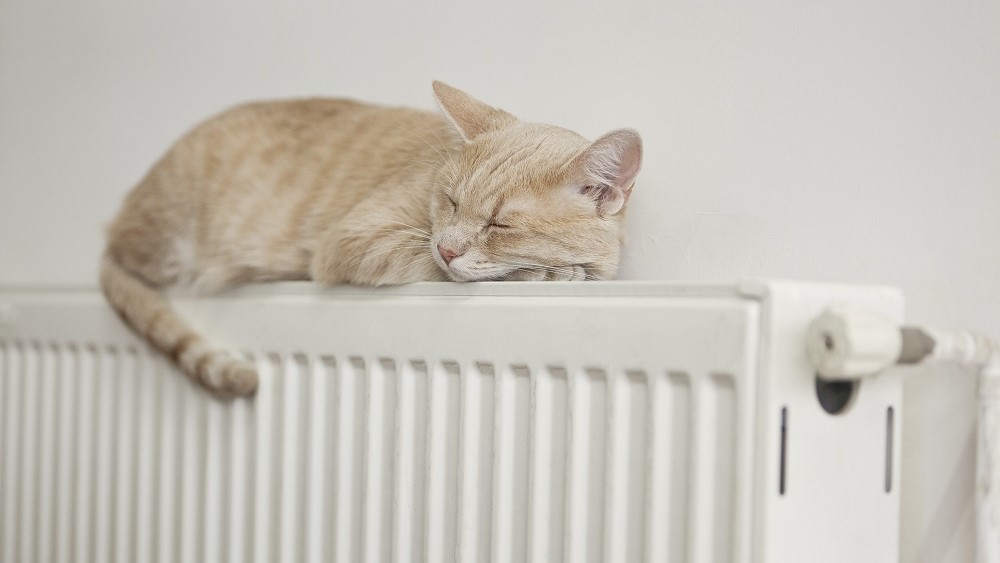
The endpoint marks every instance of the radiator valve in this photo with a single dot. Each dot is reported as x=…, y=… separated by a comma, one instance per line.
x=846, y=343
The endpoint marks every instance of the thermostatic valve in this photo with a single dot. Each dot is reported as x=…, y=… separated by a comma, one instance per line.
x=845, y=343
x=848, y=343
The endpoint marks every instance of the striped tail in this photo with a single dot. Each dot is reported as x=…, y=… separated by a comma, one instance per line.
x=149, y=314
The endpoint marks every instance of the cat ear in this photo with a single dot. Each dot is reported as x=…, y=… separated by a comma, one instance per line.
x=469, y=116
x=607, y=169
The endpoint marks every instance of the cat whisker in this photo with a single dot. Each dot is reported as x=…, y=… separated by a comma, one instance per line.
x=431, y=166
x=387, y=249
x=443, y=185
x=424, y=140
x=451, y=160
x=412, y=235
x=378, y=250
x=418, y=240
x=384, y=248
x=417, y=229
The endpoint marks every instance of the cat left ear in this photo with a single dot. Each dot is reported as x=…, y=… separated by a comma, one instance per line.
x=469, y=116
x=608, y=168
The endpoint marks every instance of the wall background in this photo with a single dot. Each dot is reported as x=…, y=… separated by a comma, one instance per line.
x=835, y=140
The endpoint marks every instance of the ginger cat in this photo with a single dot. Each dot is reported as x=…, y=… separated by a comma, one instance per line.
x=339, y=191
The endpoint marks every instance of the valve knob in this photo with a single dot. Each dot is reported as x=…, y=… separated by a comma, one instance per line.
x=844, y=343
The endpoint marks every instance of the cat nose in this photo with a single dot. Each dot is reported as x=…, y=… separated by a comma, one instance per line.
x=447, y=254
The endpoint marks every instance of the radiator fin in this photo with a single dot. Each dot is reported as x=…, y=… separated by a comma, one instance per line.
x=547, y=481
x=109, y=455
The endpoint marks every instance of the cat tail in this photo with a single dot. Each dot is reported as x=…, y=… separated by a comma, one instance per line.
x=149, y=314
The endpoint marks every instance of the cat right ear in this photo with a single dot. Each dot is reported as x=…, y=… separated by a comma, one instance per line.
x=606, y=170
x=469, y=116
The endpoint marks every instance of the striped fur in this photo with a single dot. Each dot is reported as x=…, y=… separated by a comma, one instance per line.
x=150, y=315
x=339, y=191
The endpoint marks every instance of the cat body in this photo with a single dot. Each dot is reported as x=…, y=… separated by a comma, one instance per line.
x=338, y=191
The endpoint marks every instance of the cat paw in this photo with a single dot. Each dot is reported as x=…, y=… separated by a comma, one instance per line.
x=240, y=378
x=527, y=275
x=228, y=376
x=568, y=273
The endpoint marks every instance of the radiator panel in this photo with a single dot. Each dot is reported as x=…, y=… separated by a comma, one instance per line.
x=111, y=455
x=394, y=427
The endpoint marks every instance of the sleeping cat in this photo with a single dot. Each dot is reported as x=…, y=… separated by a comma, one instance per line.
x=339, y=191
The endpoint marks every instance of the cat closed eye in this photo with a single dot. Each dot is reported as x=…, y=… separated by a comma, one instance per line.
x=500, y=226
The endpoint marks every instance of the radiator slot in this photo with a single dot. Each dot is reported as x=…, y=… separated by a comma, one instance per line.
x=889, y=420
x=783, y=459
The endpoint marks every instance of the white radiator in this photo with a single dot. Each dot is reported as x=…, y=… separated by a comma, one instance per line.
x=447, y=422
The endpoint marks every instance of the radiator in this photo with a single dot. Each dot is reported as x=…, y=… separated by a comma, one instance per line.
x=450, y=422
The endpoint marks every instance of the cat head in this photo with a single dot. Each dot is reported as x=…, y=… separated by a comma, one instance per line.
x=519, y=200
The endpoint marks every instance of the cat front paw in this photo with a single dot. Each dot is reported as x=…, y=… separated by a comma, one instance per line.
x=568, y=273
x=526, y=275
x=560, y=273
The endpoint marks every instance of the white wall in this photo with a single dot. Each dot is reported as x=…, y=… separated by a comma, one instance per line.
x=834, y=140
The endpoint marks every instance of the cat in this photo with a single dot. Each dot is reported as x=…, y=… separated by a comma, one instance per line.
x=339, y=191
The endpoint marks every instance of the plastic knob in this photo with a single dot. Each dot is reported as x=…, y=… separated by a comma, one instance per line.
x=845, y=343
